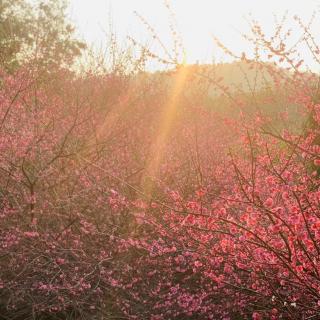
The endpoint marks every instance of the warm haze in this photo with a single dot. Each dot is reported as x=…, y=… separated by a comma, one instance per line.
x=190, y=192
x=198, y=21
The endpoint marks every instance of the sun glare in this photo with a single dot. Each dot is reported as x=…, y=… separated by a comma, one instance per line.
x=197, y=21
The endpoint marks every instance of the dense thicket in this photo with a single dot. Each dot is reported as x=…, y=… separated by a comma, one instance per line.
x=151, y=196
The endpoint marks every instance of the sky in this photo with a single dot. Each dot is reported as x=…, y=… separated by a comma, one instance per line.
x=198, y=21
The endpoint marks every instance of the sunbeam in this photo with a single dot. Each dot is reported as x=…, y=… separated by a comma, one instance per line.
x=167, y=121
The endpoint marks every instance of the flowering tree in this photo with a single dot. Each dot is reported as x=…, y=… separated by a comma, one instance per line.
x=134, y=199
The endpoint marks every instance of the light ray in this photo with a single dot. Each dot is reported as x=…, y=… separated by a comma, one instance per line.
x=167, y=122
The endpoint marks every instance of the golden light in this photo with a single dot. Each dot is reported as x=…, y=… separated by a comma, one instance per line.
x=166, y=124
x=198, y=20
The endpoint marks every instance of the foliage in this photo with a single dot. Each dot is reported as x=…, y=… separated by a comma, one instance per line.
x=39, y=34
x=14, y=17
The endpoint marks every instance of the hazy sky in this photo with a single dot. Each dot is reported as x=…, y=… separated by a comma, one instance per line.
x=198, y=20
